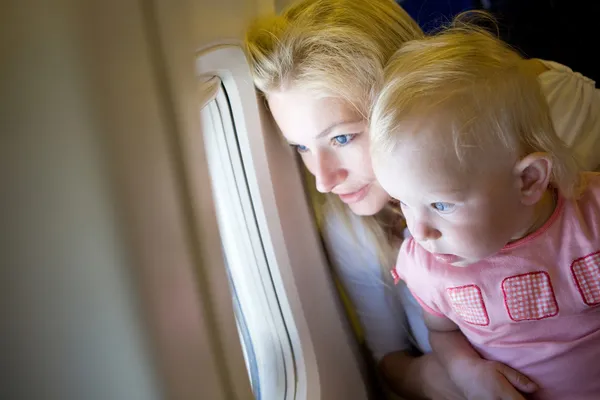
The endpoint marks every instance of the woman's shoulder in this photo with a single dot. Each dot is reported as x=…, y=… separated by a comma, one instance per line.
x=378, y=304
x=574, y=104
x=553, y=70
x=558, y=80
x=342, y=224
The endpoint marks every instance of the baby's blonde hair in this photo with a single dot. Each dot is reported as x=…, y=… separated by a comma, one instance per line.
x=480, y=89
x=338, y=49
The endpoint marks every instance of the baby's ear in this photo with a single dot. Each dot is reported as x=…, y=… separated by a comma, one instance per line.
x=534, y=173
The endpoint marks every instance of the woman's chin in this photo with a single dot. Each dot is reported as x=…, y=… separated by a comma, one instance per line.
x=370, y=205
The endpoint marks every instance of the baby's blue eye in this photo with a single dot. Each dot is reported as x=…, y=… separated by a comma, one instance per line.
x=443, y=207
x=343, y=139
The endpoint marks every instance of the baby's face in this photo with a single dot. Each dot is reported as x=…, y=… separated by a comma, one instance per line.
x=461, y=215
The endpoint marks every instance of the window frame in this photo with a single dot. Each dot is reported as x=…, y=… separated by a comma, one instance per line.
x=243, y=248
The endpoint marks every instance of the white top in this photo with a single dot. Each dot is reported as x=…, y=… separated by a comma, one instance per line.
x=391, y=318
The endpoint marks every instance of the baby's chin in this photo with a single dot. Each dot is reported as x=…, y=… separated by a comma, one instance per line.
x=463, y=263
x=469, y=260
x=453, y=260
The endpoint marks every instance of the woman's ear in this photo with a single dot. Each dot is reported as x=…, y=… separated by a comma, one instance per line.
x=534, y=173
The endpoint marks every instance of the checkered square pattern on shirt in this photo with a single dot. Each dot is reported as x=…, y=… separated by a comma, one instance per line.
x=586, y=271
x=468, y=304
x=529, y=296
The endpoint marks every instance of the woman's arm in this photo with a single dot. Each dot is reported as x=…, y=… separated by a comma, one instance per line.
x=404, y=374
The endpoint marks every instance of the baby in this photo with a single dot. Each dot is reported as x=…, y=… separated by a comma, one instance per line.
x=505, y=250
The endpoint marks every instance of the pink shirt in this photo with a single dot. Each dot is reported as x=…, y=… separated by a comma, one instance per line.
x=535, y=305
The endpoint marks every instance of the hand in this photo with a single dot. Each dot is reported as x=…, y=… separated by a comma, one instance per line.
x=491, y=380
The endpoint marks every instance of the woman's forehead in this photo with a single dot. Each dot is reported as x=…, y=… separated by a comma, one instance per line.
x=304, y=115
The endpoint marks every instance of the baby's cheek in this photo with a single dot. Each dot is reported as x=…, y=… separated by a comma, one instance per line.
x=487, y=243
x=472, y=241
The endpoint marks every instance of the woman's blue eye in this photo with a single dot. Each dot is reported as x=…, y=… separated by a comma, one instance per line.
x=343, y=139
x=443, y=207
x=300, y=148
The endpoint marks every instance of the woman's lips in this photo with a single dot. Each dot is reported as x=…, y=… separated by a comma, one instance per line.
x=354, y=197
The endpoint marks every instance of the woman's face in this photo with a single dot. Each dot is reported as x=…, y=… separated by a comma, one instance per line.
x=332, y=139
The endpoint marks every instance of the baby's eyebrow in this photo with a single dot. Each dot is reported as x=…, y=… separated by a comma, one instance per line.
x=447, y=193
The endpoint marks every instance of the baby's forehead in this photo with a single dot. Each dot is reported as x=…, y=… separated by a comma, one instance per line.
x=434, y=146
x=429, y=152
x=436, y=170
x=411, y=169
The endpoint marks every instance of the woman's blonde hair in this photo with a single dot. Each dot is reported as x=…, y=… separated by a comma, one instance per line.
x=333, y=48
x=481, y=92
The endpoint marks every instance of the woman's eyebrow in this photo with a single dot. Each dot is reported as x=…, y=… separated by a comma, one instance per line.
x=331, y=127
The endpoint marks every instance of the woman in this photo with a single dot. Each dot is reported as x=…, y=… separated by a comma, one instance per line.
x=317, y=64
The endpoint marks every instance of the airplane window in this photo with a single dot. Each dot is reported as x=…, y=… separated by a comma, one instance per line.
x=293, y=331
x=261, y=326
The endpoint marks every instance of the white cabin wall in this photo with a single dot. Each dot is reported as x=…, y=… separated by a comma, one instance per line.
x=71, y=327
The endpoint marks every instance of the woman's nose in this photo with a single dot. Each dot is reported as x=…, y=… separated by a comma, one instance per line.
x=328, y=173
